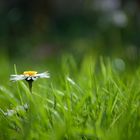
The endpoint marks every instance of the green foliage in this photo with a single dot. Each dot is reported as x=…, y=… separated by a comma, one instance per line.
x=92, y=100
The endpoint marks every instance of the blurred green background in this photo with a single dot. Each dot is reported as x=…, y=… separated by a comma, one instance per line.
x=43, y=30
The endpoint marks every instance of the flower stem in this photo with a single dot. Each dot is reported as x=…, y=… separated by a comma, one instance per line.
x=30, y=85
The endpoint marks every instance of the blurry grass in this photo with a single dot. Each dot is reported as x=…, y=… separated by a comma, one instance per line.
x=87, y=101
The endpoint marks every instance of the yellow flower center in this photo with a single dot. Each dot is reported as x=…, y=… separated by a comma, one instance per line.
x=29, y=73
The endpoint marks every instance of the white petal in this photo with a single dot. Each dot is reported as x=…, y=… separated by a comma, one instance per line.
x=29, y=78
x=43, y=75
x=17, y=77
x=34, y=78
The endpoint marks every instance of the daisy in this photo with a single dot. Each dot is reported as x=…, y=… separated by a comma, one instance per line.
x=29, y=76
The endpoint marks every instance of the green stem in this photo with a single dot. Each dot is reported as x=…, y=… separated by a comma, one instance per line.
x=30, y=85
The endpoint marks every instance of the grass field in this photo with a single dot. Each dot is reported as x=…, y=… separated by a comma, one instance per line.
x=97, y=99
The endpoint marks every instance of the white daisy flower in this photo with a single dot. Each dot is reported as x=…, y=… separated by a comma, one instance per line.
x=29, y=76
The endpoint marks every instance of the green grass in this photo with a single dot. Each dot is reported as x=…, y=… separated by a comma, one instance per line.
x=91, y=100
